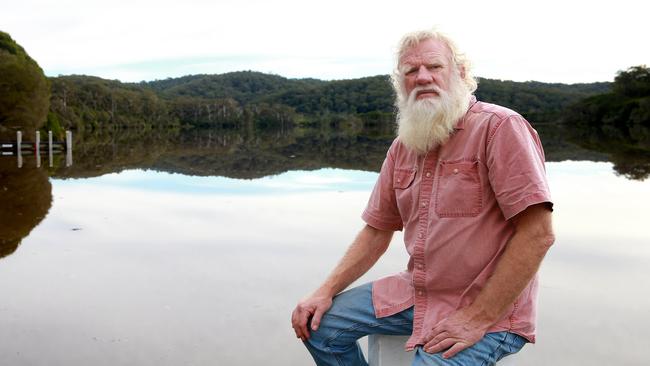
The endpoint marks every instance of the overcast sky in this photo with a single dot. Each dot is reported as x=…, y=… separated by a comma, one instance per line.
x=132, y=40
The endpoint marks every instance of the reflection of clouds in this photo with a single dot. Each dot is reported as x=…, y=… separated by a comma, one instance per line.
x=592, y=202
x=149, y=243
x=286, y=183
x=323, y=179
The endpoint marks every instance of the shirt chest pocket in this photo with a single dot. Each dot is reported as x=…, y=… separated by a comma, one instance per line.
x=402, y=185
x=459, y=191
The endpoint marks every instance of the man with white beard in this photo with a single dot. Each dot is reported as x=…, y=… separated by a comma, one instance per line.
x=465, y=181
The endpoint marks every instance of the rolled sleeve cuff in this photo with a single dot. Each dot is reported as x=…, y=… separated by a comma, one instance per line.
x=533, y=199
x=380, y=224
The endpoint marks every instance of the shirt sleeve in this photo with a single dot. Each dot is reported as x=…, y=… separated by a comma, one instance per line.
x=382, y=212
x=515, y=160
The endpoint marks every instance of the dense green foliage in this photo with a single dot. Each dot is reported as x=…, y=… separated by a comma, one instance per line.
x=538, y=102
x=24, y=90
x=243, y=86
x=627, y=104
x=86, y=102
x=82, y=102
x=535, y=100
x=633, y=83
x=252, y=98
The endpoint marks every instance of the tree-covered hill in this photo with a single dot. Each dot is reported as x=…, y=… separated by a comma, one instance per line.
x=627, y=104
x=82, y=102
x=537, y=101
x=242, y=86
x=238, y=98
x=24, y=90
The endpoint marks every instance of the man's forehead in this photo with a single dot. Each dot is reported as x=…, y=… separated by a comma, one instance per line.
x=427, y=51
x=424, y=58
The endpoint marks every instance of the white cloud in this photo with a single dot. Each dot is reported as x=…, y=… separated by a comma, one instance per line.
x=556, y=41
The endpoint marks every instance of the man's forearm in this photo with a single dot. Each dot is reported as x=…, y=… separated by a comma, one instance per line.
x=362, y=254
x=518, y=265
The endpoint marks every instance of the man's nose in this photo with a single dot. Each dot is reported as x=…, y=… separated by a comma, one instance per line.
x=424, y=76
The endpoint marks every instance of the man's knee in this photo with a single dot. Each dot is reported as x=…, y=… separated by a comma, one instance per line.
x=345, y=321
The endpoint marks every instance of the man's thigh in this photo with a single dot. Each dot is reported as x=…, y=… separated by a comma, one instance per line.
x=352, y=316
x=489, y=350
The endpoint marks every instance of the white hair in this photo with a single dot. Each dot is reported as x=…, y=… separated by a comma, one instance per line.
x=426, y=123
x=458, y=58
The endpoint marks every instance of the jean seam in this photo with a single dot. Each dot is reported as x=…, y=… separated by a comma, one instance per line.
x=357, y=326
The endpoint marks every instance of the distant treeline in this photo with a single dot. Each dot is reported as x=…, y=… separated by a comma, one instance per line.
x=269, y=100
x=248, y=99
x=628, y=102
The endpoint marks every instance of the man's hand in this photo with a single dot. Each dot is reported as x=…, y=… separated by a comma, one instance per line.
x=462, y=329
x=312, y=307
x=362, y=254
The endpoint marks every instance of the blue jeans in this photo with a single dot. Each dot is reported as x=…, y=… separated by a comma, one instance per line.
x=352, y=316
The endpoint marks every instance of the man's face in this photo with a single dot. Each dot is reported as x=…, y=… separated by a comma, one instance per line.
x=427, y=65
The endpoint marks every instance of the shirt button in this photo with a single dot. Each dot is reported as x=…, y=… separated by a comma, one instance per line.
x=455, y=171
x=420, y=293
x=420, y=266
x=420, y=235
x=423, y=204
x=398, y=180
x=428, y=174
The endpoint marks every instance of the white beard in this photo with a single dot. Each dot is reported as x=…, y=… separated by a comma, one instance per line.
x=426, y=123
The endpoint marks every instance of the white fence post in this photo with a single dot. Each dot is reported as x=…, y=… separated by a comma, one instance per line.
x=19, y=148
x=38, y=149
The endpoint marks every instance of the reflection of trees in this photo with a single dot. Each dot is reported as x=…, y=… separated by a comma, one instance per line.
x=246, y=152
x=633, y=166
x=25, y=198
x=250, y=152
x=558, y=148
x=628, y=146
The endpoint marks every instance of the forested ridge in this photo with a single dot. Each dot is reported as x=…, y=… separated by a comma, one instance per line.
x=237, y=98
x=253, y=99
x=24, y=90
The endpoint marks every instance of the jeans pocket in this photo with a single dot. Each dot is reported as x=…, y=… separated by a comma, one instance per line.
x=459, y=192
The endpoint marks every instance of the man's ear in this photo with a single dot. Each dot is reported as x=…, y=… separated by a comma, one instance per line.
x=461, y=71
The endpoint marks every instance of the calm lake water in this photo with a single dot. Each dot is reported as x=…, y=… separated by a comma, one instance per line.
x=144, y=255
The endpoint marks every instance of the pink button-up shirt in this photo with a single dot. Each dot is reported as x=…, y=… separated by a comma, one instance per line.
x=454, y=204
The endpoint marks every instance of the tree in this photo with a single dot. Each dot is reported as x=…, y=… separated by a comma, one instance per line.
x=635, y=82
x=24, y=90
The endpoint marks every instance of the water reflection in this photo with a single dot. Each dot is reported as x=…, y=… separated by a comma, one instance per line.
x=627, y=146
x=25, y=198
x=254, y=153
x=170, y=269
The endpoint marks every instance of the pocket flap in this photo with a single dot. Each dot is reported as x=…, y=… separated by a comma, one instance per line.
x=402, y=178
